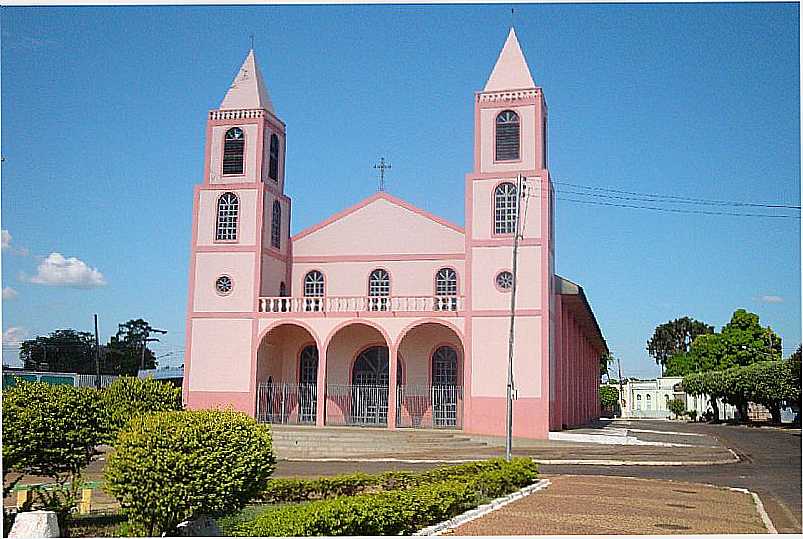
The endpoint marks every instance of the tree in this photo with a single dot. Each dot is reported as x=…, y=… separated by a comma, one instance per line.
x=604, y=361
x=677, y=407
x=608, y=396
x=64, y=350
x=675, y=337
x=681, y=365
x=124, y=351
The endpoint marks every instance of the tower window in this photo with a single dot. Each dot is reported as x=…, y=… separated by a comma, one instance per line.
x=223, y=285
x=233, y=151
x=507, y=136
x=276, y=225
x=378, y=290
x=227, y=209
x=446, y=290
x=313, y=290
x=504, y=280
x=505, y=206
x=273, y=161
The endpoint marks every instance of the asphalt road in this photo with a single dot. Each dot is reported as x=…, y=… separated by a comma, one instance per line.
x=770, y=466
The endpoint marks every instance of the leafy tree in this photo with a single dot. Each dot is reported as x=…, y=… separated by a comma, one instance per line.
x=677, y=407
x=124, y=351
x=608, y=396
x=675, y=337
x=604, y=361
x=681, y=365
x=64, y=350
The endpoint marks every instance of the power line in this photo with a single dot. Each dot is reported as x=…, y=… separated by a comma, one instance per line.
x=707, y=201
x=678, y=210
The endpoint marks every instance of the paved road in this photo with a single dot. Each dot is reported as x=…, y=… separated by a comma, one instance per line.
x=770, y=467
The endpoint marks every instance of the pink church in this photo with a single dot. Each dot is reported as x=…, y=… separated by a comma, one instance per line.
x=383, y=314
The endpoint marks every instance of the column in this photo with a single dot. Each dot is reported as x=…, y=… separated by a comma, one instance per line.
x=393, y=365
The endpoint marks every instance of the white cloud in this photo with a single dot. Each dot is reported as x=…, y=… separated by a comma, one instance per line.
x=771, y=299
x=14, y=335
x=56, y=270
x=6, y=238
x=9, y=293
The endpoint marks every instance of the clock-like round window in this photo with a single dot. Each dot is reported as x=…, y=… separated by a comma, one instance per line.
x=504, y=280
x=223, y=285
x=234, y=134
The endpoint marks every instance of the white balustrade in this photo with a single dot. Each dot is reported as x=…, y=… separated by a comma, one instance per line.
x=344, y=304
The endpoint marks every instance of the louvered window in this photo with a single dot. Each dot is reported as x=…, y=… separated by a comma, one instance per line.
x=505, y=205
x=276, y=225
x=273, y=163
x=507, y=136
x=227, y=209
x=233, y=151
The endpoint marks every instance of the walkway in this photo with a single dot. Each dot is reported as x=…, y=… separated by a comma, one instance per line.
x=617, y=505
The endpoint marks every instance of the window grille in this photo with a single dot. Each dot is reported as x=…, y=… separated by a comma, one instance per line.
x=308, y=369
x=504, y=280
x=446, y=285
x=233, y=151
x=507, y=136
x=276, y=225
x=223, y=285
x=378, y=290
x=228, y=206
x=273, y=159
x=444, y=366
x=313, y=291
x=505, y=208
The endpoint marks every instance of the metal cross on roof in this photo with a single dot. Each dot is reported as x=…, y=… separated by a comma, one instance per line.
x=382, y=167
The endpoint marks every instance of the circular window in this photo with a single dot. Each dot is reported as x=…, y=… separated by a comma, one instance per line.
x=504, y=280
x=223, y=285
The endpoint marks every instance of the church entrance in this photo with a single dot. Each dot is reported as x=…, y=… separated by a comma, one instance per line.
x=369, y=392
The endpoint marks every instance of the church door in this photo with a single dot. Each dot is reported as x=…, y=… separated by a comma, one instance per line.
x=308, y=384
x=369, y=393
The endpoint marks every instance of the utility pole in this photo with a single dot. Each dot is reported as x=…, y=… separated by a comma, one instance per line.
x=509, y=411
x=97, y=355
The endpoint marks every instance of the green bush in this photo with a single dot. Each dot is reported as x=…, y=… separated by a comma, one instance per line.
x=608, y=396
x=172, y=466
x=128, y=397
x=51, y=431
x=394, y=512
x=677, y=407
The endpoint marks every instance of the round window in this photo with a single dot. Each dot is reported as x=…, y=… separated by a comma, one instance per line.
x=504, y=280
x=223, y=285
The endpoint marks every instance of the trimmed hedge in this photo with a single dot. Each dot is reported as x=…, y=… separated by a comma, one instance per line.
x=429, y=498
x=172, y=466
x=128, y=397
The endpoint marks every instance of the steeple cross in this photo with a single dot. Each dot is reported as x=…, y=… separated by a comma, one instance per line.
x=382, y=167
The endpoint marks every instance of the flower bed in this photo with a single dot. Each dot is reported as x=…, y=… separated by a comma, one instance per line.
x=391, y=503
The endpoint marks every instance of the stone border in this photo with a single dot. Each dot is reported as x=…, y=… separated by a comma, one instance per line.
x=483, y=510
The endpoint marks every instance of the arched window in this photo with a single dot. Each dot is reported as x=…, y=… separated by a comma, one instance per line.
x=313, y=291
x=649, y=402
x=446, y=290
x=233, y=151
x=444, y=366
x=505, y=207
x=378, y=290
x=370, y=404
x=276, y=225
x=308, y=381
x=638, y=402
x=273, y=159
x=507, y=136
x=666, y=401
x=228, y=207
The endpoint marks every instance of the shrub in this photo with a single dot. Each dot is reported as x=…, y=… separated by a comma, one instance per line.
x=52, y=431
x=608, y=396
x=677, y=407
x=394, y=512
x=172, y=466
x=128, y=397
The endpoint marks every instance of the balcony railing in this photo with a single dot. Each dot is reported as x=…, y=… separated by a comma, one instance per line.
x=343, y=304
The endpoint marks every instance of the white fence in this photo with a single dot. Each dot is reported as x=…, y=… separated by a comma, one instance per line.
x=287, y=403
x=339, y=304
x=424, y=406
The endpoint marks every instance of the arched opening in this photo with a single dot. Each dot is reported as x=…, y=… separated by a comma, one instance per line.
x=357, y=367
x=431, y=395
x=234, y=152
x=287, y=376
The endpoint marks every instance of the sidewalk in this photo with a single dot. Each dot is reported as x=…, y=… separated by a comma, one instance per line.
x=596, y=505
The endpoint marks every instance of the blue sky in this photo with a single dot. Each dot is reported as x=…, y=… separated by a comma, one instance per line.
x=103, y=116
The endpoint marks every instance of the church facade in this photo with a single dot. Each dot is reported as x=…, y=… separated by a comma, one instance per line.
x=385, y=315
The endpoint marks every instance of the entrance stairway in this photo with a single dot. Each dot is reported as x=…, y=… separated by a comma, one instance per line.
x=293, y=441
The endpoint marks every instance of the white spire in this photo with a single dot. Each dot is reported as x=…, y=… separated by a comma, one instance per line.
x=511, y=71
x=248, y=91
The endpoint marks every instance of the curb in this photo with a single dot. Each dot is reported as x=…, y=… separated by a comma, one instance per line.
x=483, y=510
x=765, y=518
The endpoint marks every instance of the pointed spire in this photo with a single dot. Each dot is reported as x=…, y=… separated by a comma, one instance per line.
x=248, y=91
x=511, y=71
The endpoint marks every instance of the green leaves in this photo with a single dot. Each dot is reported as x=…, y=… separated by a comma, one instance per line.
x=171, y=466
x=128, y=397
x=608, y=396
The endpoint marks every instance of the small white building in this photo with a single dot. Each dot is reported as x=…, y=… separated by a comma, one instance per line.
x=650, y=399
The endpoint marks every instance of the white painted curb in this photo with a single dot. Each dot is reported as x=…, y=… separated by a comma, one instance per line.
x=483, y=510
x=765, y=518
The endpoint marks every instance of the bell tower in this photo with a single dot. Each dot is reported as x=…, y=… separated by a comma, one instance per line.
x=510, y=117
x=240, y=238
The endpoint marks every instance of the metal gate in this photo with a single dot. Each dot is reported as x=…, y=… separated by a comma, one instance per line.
x=287, y=403
x=425, y=406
